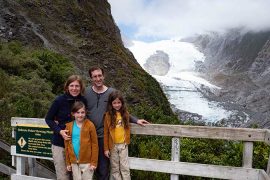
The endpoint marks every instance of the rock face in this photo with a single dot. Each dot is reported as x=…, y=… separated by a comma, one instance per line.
x=158, y=64
x=240, y=63
x=85, y=33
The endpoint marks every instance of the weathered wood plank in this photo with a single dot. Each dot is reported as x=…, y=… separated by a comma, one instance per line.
x=263, y=176
x=175, y=154
x=5, y=146
x=267, y=137
x=184, y=168
x=268, y=166
x=242, y=134
x=6, y=170
x=32, y=167
x=44, y=172
x=194, y=169
x=20, y=177
x=20, y=120
x=247, y=154
x=41, y=170
x=20, y=165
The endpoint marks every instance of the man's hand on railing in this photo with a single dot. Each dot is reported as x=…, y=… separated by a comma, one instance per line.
x=91, y=167
x=65, y=135
x=69, y=168
x=107, y=154
x=142, y=122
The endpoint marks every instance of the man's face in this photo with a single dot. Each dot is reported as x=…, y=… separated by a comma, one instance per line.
x=97, y=78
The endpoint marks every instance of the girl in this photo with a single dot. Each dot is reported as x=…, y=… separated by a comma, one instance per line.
x=56, y=118
x=82, y=149
x=117, y=136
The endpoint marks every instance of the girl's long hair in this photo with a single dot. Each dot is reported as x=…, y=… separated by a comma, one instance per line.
x=123, y=110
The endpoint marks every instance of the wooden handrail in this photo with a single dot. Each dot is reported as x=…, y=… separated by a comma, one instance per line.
x=225, y=133
x=247, y=135
x=5, y=146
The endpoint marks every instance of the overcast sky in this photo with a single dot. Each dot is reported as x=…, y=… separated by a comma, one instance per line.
x=165, y=19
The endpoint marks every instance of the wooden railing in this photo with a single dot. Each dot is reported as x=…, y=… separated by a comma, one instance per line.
x=175, y=167
x=40, y=169
x=4, y=168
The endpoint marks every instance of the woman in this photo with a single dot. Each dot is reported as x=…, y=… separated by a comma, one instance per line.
x=58, y=115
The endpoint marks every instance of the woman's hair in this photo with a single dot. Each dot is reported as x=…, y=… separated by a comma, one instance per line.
x=77, y=106
x=71, y=79
x=123, y=110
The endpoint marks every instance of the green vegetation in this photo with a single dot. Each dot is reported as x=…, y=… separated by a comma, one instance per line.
x=30, y=80
x=205, y=151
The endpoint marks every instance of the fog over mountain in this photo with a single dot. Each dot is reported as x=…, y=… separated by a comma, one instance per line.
x=159, y=19
x=232, y=35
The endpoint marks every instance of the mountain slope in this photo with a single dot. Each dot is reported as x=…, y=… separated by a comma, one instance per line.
x=239, y=62
x=84, y=32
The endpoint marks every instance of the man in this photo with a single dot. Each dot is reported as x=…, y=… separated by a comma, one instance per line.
x=97, y=99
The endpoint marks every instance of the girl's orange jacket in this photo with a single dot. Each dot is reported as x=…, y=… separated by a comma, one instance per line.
x=88, y=145
x=109, y=133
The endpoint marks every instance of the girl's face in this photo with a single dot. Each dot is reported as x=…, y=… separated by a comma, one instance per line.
x=117, y=104
x=80, y=115
x=74, y=88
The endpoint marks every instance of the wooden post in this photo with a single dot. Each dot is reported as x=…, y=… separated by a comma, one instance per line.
x=20, y=165
x=32, y=166
x=13, y=132
x=247, y=154
x=268, y=166
x=175, y=154
x=13, y=160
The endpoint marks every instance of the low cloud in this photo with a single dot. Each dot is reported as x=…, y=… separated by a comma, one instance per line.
x=181, y=18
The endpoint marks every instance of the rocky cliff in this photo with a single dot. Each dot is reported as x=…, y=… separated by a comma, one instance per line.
x=158, y=63
x=239, y=62
x=85, y=33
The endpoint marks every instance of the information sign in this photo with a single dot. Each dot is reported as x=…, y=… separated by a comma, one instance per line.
x=33, y=140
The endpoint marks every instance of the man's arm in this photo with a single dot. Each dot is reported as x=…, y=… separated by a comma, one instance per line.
x=135, y=120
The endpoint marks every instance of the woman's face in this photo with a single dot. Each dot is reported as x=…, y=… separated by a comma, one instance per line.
x=74, y=88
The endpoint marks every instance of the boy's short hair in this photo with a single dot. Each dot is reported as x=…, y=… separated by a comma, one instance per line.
x=93, y=69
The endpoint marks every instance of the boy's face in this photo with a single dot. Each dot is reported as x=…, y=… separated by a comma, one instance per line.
x=97, y=78
x=80, y=115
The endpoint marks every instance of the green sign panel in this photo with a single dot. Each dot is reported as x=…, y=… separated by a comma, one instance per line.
x=35, y=141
